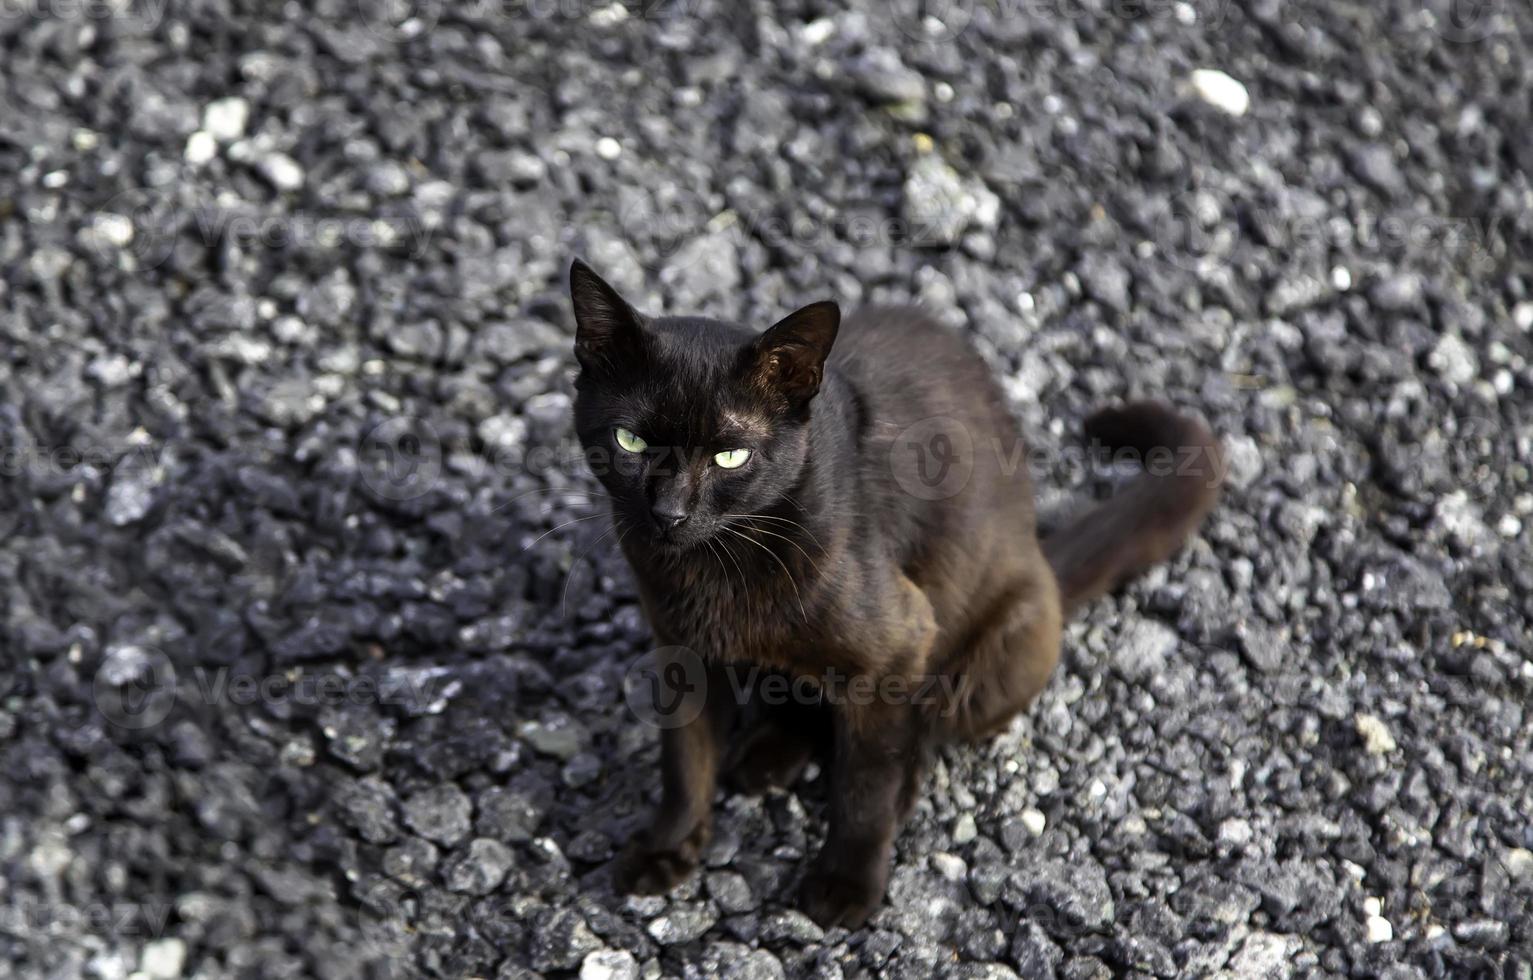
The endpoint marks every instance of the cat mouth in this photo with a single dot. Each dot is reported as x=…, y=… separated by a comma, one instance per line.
x=676, y=542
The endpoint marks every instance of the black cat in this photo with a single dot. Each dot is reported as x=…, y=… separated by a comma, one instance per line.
x=841, y=505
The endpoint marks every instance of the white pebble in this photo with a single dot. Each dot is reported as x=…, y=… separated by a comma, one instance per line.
x=163, y=959
x=1221, y=91
x=609, y=16
x=1519, y=863
x=1522, y=315
x=1509, y=526
x=1379, y=929
x=608, y=148
x=819, y=31
x=503, y=432
x=1235, y=832
x=1377, y=739
x=289, y=329
x=1341, y=278
x=1370, y=121
x=949, y=866
x=1372, y=906
x=1034, y=821
x=1454, y=360
x=609, y=964
x=281, y=171
x=964, y=829
x=200, y=148
x=225, y=119
x=114, y=229
x=1243, y=459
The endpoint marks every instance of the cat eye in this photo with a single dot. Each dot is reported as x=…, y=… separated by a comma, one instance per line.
x=630, y=442
x=732, y=458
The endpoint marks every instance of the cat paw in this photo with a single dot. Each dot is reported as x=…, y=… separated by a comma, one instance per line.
x=640, y=871
x=645, y=868
x=833, y=898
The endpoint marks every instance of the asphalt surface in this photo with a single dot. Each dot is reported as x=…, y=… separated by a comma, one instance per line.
x=306, y=674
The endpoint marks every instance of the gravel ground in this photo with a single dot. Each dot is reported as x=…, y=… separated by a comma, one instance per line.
x=304, y=676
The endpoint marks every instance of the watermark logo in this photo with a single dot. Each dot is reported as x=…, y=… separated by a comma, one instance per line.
x=667, y=688
x=1189, y=237
x=933, y=459
x=670, y=687
x=398, y=19
x=141, y=222
x=401, y=459
x=640, y=218
x=135, y=687
x=931, y=21
x=1466, y=21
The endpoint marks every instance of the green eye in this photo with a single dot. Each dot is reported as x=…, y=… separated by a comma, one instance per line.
x=630, y=442
x=732, y=458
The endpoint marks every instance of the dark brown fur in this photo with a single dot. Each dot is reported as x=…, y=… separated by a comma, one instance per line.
x=822, y=562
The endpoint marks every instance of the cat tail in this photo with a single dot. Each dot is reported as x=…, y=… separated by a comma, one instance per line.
x=1150, y=517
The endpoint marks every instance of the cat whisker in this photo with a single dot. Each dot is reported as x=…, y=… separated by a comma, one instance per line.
x=570, y=575
x=724, y=546
x=795, y=544
x=784, y=520
x=839, y=509
x=777, y=558
x=533, y=493
x=714, y=552
x=588, y=517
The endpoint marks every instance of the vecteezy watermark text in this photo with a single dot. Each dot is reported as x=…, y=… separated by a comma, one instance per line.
x=149, y=224
x=141, y=14
x=118, y=919
x=931, y=459
x=17, y=459
x=669, y=687
x=136, y=687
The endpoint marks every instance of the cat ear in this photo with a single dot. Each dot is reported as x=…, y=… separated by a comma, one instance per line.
x=607, y=329
x=789, y=359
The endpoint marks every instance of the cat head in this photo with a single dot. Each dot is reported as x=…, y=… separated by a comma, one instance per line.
x=687, y=421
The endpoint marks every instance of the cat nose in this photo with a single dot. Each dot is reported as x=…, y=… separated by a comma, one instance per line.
x=668, y=515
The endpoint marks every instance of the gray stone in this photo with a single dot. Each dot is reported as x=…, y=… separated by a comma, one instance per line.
x=482, y=869
x=439, y=814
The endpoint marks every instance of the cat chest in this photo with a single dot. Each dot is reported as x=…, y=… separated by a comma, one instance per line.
x=728, y=627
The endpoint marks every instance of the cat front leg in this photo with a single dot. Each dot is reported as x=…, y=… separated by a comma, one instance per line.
x=879, y=750
x=874, y=777
x=696, y=720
